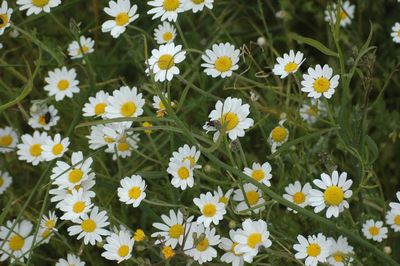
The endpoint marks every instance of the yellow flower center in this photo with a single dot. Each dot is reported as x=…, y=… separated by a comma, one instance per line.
x=16, y=243
x=167, y=36
x=338, y=256
x=299, y=197
x=396, y=219
x=254, y=239
x=183, y=173
x=209, y=210
x=88, y=225
x=100, y=108
x=312, y=111
x=57, y=149
x=5, y=140
x=398, y=33
x=223, y=63
x=198, y=2
x=123, y=146
x=63, y=85
x=42, y=120
x=342, y=15
x=147, y=124
x=139, y=235
x=134, y=192
x=166, y=61
x=83, y=50
x=176, y=231
x=313, y=250
x=231, y=120
x=333, y=195
x=321, y=85
x=46, y=233
x=252, y=197
x=191, y=160
x=128, y=109
x=36, y=150
x=78, y=207
x=40, y=3
x=258, y=174
x=279, y=134
x=1, y=181
x=122, y=18
x=123, y=250
x=223, y=200
x=108, y=139
x=290, y=67
x=50, y=224
x=373, y=230
x=3, y=20
x=171, y=5
x=167, y=252
x=202, y=245
x=75, y=176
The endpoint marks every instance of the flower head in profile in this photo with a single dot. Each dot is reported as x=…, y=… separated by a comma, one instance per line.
x=396, y=32
x=5, y=181
x=345, y=13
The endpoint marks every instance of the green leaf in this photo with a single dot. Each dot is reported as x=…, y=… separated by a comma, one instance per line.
x=314, y=43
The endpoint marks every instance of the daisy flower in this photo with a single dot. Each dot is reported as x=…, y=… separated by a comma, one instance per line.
x=346, y=13
x=125, y=102
x=164, y=33
x=173, y=229
x=392, y=218
x=5, y=181
x=396, y=32
x=297, y=194
x=166, y=9
x=396, y=205
x=311, y=112
x=163, y=60
x=121, y=142
x=61, y=83
x=187, y=153
x=84, y=47
x=288, y=64
x=261, y=173
x=5, y=16
x=37, y=6
x=131, y=190
x=17, y=242
x=182, y=173
x=96, y=105
x=278, y=136
x=340, y=252
x=97, y=138
x=336, y=190
x=253, y=197
x=123, y=14
x=118, y=246
x=320, y=82
x=168, y=252
x=198, y=5
x=250, y=238
x=49, y=222
x=221, y=60
x=55, y=148
x=211, y=209
x=76, y=204
x=71, y=260
x=159, y=105
x=230, y=256
x=231, y=115
x=374, y=230
x=44, y=235
x=314, y=249
x=45, y=118
x=90, y=227
x=201, y=249
x=223, y=198
x=31, y=148
x=8, y=139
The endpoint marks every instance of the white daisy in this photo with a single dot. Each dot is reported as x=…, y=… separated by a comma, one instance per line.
x=159, y=105
x=8, y=139
x=96, y=105
x=49, y=222
x=201, y=249
x=187, y=153
x=392, y=218
x=97, y=138
x=345, y=15
x=211, y=209
x=131, y=190
x=311, y=112
x=288, y=64
x=231, y=116
x=125, y=102
x=221, y=60
x=166, y=9
x=44, y=235
x=182, y=173
x=5, y=16
x=173, y=230
x=90, y=227
x=164, y=33
x=320, y=82
x=374, y=230
x=396, y=205
x=278, y=136
x=84, y=47
x=261, y=173
x=253, y=196
x=396, y=32
x=314, y=249
x=163, y=60
x=71, y=260
x=123, y=14
x=297, y=194
x=44, y=119
x=62, y=83
x=249, y=239
x=37, y=6
x=223, y=198
x=230, y=256
x=118, y=246
x=76, y=204
x=120, y=140
x=336, y=190
x=55, y=148
x=198, y=5
x=5, y=181
x=340, y=252
x=31, y=148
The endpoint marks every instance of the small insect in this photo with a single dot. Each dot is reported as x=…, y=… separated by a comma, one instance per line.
x=47, y=117
x=1, y=20
x=214, y=123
